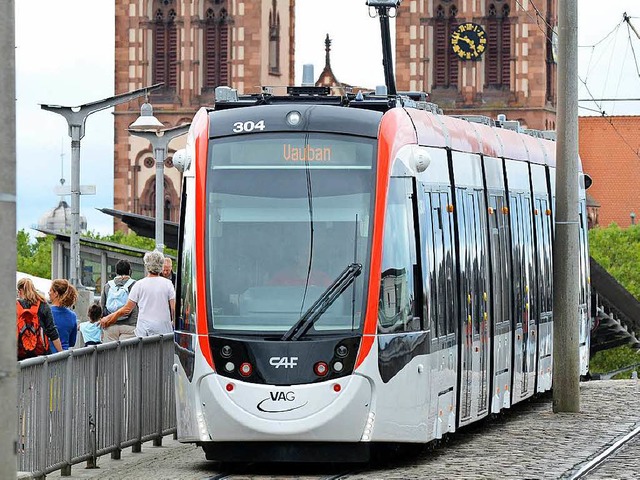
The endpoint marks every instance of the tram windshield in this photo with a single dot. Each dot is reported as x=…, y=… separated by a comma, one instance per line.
x=287, y=213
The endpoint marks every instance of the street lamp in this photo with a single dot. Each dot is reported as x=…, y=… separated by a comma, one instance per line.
x=148, y=127
x=76, y=118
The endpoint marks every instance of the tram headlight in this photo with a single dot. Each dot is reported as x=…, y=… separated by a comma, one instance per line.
x=337, y=367
x=226, y=351
x=293, y=118
x=342, y=351
x=229, y=366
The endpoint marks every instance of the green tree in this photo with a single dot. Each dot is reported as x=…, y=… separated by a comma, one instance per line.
x=618, y=251
x=34, y=256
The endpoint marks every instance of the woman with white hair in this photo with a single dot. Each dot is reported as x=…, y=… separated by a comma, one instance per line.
x=155, y=297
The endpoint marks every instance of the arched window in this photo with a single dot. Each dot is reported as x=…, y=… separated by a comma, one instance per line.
x=165, y=46
x=445, y=62
x=170, y=202
x=216, y=46
x=498, y=55
x=274, y=39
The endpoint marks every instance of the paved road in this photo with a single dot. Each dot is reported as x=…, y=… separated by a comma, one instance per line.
x=529, y=442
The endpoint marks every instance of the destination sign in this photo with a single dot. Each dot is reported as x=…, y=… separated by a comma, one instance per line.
x=293, y=153
x=294, y=150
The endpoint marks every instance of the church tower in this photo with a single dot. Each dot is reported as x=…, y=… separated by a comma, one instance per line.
x=192, y=46
x=481, y=57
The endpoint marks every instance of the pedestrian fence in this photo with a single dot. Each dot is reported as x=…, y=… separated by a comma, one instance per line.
x=77, y=405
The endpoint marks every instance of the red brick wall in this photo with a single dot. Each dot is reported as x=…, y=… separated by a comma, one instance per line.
x=609, y=149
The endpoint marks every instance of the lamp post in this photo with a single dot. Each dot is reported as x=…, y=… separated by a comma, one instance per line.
x=76, y=118
x=145, y=127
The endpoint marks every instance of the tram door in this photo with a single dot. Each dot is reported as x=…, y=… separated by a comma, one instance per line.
x=474, y=289
x=542, y=218
x=585, y=293
x=500, y=258
x=525, y=330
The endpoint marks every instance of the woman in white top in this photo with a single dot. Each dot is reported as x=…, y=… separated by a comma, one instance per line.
x=155, y=297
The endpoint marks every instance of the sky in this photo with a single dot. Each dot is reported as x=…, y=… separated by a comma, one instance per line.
x=65, y=56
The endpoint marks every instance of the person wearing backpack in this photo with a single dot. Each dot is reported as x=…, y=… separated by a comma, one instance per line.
x=155, y=297
x=115, y=294
x=35, y=327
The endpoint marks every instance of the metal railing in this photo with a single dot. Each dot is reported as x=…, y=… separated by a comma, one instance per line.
x=77, y=405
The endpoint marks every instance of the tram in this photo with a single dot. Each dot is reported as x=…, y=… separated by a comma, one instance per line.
x=359, y=270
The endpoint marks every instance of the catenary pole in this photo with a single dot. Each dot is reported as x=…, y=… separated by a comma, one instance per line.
x=566, y=361
x=8, y=364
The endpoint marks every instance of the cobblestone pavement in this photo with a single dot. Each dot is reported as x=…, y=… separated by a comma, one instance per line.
x=529, y=442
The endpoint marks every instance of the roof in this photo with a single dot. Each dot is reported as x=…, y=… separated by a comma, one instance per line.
x=146, y=226
x=610, y=152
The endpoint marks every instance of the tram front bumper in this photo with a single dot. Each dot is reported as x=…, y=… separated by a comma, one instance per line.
x=334, y=411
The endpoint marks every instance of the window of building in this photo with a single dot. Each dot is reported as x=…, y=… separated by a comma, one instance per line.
x=498, y=55
x=216, y=46
x=165, y=46
x=274, y=39
x=444, y=60
x=552, y=45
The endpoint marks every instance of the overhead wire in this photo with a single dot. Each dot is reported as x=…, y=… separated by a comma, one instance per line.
x=537, y=18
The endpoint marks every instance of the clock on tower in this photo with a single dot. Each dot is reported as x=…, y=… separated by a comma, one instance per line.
x=469, y=41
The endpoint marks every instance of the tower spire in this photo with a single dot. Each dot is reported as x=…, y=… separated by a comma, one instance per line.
x=327, y=49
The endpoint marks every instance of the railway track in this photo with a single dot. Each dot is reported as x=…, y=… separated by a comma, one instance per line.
x=584, y=469
x=343, y=475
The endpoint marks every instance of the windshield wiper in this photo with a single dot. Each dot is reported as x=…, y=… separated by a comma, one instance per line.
x=325, y=300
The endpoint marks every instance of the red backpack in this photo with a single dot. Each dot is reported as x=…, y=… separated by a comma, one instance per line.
x=31, y=338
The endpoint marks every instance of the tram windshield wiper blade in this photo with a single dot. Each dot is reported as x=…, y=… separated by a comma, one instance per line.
x=315, y=311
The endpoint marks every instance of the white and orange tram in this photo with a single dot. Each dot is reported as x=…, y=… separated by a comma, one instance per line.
x=359, y=270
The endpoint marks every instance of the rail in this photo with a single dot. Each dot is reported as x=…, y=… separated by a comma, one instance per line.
x=77, y=405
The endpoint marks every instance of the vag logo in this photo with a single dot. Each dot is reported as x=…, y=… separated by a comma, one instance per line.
x=286, y=362
x=282, y=396
x=280, y=402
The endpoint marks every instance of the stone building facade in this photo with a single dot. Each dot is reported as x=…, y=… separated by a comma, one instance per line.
x=511, y=72
x=192, y=46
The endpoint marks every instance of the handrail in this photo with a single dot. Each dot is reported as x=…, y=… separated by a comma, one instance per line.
x=615, y=296
x=77, y=405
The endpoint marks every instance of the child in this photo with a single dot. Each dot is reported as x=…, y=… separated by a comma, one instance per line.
x=91, y=330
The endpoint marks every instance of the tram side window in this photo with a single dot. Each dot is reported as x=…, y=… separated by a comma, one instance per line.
x=517, y=253
x=542, y=224
x=548, y=257
x=185, y=320
x=482, y=269
x=429, y=232
x=530, y=278
x=505, y=256
x=583, y=258
x=438, y=286
x=449, y=262
x=396, y=305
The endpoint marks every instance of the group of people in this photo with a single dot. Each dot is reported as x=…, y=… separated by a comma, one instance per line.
x=133, y=308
